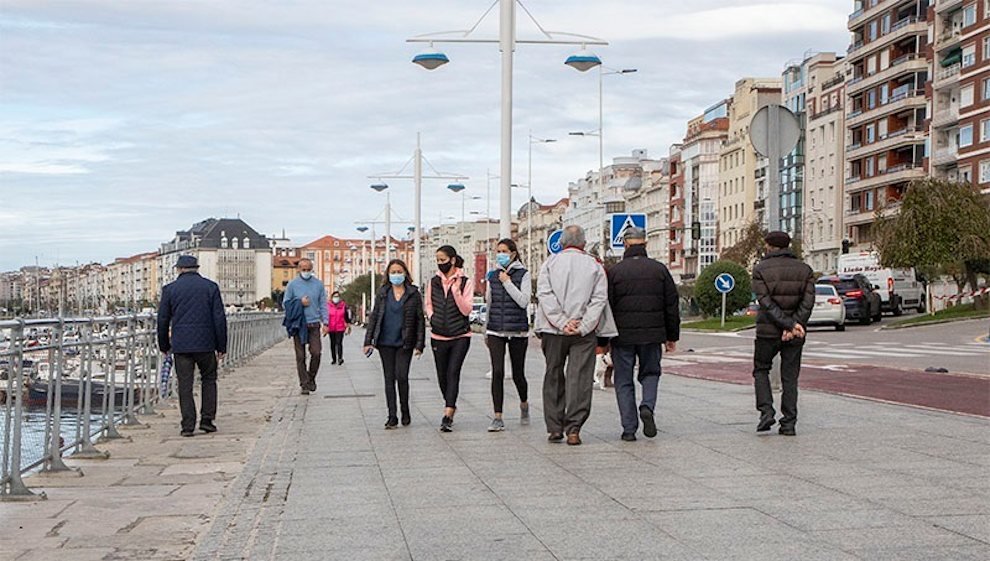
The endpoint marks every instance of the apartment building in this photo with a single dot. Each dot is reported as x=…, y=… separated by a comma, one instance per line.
x=695, y=188
x=738, y=159
x=230, y=252
x=338, y=261
x=651, y=199
x=675, y=214
x=886, y=109
x=812, y=193
x=545, y=219
x=960, y=92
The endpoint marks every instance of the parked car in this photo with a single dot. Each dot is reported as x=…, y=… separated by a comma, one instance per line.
x=829, y=308
x=479, y=314
x=860, y=300
x=898, y=288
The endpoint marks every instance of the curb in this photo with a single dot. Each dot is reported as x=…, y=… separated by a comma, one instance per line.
x=933, y=322
x=698, y=330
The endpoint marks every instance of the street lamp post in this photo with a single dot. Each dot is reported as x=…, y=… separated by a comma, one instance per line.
x=507, y=41
x=379, y=187
x=529, y=203
x=371, y=267
x=418, y=178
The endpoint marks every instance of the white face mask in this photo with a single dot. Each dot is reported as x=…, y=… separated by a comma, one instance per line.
x=335, y=299
x=306, y=275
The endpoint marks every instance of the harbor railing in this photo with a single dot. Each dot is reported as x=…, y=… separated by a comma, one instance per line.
x=67, y=384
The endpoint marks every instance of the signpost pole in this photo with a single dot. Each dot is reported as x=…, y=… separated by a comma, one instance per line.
x=723, y=309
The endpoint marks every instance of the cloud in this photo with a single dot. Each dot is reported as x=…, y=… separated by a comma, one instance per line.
x=130, y=120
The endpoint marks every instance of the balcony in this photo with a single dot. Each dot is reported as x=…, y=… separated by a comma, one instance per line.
x=946, y=117
x=948, y=39
x=895, y=174
x=947, y=5
x=948, y=155
x=911, y=62
x=894, y=139
x=902, y=99
x=901, y=29
x=948, y=76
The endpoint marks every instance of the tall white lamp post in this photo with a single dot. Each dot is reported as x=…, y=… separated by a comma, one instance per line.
x=529, y=204
x=417, y=177
x=432, y=59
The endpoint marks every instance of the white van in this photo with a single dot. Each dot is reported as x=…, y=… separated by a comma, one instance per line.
x=898, y=288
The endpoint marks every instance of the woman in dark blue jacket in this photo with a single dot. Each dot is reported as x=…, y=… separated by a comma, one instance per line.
x=397, y=329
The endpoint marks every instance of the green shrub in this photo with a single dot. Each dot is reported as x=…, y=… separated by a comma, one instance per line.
x=709, y=300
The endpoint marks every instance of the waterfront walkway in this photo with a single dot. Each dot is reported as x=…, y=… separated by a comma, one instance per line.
x=292, y=477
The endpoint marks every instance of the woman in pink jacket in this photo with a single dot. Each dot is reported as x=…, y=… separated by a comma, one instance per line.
x=448, y=306
x=338, y=325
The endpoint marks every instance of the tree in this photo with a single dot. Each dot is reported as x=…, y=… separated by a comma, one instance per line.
x=354, y=289
x=709, y=300
x=943, y=228
x=749, y=248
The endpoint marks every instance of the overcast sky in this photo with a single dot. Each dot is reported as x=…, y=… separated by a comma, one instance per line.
x=123, y=121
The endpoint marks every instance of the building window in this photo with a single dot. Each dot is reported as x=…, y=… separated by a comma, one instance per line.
x=870, y=134
x=986, y=89
x=984, y=130
x=885, y=24
x=986, y=48
x=873, y=27
x=969, y=15
x=968, y=56
x=966, y=96
x=966, y=175
x=247, y=243
x=985, y=171
x=965, y=136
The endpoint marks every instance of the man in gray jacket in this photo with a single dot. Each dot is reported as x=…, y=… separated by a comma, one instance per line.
x=573, y=309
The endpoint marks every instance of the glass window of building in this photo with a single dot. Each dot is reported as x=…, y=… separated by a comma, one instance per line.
x=965, y=136
x=969, y=15
x=986, y=89
x=986, y=48
x=885, y=24
x=985, y=171
x=873, y=30
x=966, y=96
x=984, y=130
x=968, y=56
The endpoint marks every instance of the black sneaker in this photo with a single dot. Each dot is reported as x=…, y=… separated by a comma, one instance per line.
x=649, y=425
x=446, y=424
x=391, y=423
x=767, y=420
x=406, y=419
x=787, y=431
x=629, y=437
x=341, y=361
x=207, y=426
x=188, y=432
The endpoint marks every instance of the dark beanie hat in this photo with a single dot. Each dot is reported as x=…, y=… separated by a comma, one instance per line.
x=778, y=239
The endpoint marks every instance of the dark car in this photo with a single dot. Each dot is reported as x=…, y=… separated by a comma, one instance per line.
x=861, y=301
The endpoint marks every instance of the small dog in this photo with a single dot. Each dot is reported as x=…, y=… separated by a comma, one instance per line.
x=603, y=367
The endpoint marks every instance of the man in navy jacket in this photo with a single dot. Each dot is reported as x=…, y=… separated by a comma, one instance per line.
x=193, y=309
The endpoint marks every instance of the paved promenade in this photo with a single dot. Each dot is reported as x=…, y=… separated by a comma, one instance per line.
x=321, y=480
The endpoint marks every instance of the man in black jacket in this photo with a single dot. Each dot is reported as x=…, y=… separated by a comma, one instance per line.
x=645, y=305
x=193, y=309
x=785, y=290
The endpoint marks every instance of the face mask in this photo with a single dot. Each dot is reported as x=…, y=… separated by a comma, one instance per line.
x=396, y=278
x=335, y=299
x=503, y=259
x=306, y=275
x=445, y=267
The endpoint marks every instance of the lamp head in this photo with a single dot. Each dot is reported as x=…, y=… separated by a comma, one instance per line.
x=379, y=187
x=456, y=187
x=583, y=60
x=431, y=58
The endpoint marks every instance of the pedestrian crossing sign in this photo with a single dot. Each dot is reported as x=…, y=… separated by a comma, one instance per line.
x=620, y=222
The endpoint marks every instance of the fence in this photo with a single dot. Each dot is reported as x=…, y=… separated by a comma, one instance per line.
x=67, y=381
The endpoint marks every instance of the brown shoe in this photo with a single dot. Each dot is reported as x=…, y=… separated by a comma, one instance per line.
x=555, y=437
x=574, y=439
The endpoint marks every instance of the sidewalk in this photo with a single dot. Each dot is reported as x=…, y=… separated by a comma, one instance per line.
x=322, y=480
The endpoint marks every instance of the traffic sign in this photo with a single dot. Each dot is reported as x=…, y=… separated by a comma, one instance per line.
x=553, y=242
x=724, y=283
x=622, y=221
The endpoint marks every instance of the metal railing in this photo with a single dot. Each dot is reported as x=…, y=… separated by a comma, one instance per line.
x=68, y=381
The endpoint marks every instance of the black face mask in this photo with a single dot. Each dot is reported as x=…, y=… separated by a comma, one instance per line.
x=445, y=267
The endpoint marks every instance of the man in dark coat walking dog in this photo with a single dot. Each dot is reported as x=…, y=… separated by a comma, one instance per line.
x=785, y=289
x=193, y=326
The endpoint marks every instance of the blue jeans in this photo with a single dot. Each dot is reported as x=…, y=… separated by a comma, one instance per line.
x=623, y=360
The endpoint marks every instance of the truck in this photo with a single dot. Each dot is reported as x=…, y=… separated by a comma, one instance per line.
x=899, y=289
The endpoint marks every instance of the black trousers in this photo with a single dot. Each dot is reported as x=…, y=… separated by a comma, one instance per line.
x=449, y=357
x=790, y=367
x=395, y=366
x=336, y=345
x=185, y=365
x=517, y=357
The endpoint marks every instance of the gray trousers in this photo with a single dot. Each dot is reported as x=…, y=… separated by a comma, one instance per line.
x=568, y=382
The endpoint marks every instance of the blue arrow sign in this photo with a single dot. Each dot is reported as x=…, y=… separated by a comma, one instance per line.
x=622, y=221
x=553, y=242
x=724, y=283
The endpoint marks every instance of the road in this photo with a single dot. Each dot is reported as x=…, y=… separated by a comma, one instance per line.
x=959, y=347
